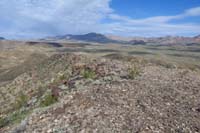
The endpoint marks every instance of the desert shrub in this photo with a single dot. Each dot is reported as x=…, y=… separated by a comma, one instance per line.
x=62, y=77
x=13, y=118
x=40, y=91
x=17, y=117
x=133, y=72
x=21, y=101
x=3, y=122
x=88, y=74
x=48, y=100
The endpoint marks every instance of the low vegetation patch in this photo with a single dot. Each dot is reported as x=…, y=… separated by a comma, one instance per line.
x=134, y=71
x=21, y=101
x=3, y=122
x=48, y=100
x=13, y=118
x=60, y=77
x=88, y=74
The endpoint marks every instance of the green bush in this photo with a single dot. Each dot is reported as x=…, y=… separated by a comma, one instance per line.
x=18, y=116
x=21, y=101
x=88, y=74
x=13, y=118
x=133, y=72
x=3, y=122
x=49, y=99
x=62, y=77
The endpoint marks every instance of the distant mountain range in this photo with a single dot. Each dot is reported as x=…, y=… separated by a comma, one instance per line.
x=167, y=40
x=173, y=40
x=100, y=38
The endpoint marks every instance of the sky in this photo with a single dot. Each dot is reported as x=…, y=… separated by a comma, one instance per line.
x=42, y=18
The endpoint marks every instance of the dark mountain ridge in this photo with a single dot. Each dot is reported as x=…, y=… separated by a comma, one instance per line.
x=90, y=37
x=2, y=38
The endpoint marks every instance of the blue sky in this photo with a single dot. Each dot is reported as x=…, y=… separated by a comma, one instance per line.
x=149, y=8
x=40, y=18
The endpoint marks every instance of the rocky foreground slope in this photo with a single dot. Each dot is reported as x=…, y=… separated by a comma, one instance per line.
x=77, y=93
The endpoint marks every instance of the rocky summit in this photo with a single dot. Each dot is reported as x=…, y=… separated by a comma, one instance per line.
x=80, y=93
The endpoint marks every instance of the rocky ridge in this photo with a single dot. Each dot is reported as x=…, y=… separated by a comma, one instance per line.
x=104, y=95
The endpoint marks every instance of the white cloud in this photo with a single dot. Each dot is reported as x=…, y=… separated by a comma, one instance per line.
x=159, y=19
x=156, y=26
x=39, y=18
x=193, y=12
x=49, y=17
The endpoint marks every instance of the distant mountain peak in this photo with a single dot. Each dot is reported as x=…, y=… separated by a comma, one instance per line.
x=2, y=38
x=89, y=37
x=93, y=33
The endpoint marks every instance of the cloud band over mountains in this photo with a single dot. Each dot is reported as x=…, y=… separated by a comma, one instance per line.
x=39, y=18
